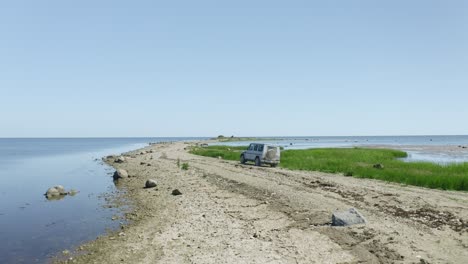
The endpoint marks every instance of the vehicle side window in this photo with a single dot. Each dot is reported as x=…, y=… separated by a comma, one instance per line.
x=251, y=147
x=256, y=147
x=260, y=148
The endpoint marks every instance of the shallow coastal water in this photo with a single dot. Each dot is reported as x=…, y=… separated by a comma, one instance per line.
x=32, y=228
x=438, y=149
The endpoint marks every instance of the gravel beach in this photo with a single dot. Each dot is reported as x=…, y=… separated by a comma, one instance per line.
x=226, y=212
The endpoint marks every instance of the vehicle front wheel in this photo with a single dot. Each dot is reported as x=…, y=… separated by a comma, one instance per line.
x=257, y=162
x=242, y=159
x=273, y=165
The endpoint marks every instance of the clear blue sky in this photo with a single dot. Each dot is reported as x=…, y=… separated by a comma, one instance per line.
x=258, y=68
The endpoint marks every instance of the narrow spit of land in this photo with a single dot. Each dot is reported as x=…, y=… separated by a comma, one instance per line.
x=232, y=213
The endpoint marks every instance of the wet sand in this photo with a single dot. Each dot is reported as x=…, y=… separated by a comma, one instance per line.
x=232, y=213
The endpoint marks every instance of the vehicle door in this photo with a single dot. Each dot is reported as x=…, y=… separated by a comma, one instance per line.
x=259, y=152
x=249, y=155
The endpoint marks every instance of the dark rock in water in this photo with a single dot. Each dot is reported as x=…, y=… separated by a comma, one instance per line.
x=150, y=183
x=378, y=166
x=120, y=160
x=110, y=157
x=176, y=192
x=347, y=218
x=119, y=174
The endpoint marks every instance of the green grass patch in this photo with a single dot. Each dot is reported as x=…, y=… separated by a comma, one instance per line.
x=185, y=166
x=359, y=163
x=225, y=152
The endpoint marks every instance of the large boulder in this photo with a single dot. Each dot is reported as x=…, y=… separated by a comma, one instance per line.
x=347, y=218
x=57, y=190
x=120, y=174
x=151, y=183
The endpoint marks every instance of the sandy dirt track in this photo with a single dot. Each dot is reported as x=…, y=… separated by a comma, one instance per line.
x=232, y=213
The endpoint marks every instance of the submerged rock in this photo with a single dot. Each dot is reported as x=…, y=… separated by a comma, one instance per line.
x=119, y=174
x=72, y=192
x=347, y=218
x=150, y=183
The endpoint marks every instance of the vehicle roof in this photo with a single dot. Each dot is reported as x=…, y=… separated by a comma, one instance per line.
x=266, y=144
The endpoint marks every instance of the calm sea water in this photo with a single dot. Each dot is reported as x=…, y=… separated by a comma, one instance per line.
x=32, y=229
x=404, y=142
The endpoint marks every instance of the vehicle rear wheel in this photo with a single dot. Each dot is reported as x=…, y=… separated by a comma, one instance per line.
x=257, y=162
x=242, y=159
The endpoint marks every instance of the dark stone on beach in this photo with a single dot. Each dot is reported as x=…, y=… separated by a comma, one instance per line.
x=176, y=192
x=378, y=166
x=119, y=174
x=120, y=160
x=347, y=218
x=150, y=183
x=142, y=163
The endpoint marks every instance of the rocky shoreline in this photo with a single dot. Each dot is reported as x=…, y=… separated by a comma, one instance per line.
x=224, y=212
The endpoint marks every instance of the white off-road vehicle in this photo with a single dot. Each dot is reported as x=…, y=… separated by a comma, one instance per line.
x=261, y=154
